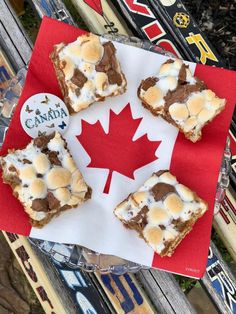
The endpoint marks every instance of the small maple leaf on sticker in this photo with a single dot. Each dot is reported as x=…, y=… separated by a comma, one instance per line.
x=116, y=150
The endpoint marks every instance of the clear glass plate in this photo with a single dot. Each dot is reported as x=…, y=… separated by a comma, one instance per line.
x=76, y=256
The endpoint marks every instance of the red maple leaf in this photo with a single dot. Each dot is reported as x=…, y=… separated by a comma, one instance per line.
x=96, y=5
x=116, y=150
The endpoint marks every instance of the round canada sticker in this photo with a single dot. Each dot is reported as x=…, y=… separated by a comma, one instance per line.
x=43, y=114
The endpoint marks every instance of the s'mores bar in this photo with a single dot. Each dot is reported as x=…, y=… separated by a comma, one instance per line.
x=162, y=211
x=181, y=99
x=45, y=178
x=87, y=71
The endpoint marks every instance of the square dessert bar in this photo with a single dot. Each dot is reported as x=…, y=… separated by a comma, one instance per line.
x=45, y=178
x=162, y=211
x=87, y=71
x=181, y=99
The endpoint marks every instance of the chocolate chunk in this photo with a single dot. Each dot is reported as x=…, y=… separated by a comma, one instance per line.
x=43, y=140
x=88, y=194
x=114, y=77
x=53, y=202
x=53, y=157
x=65, y=207
x=39, y=175
x=162, y=227
x=12, y=169
x=179, y=225
x=149, y=82
x=160, y=172
x=181, y=93
x=140, y=219
x=160, y=190
x=26, y=161
x=108, y=60
x=182, y=74
x=40, y=205
x=78, y=78
x=77, y=92
x=169, y=61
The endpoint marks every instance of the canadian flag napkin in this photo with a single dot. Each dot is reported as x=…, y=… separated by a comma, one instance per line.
x=117, y=144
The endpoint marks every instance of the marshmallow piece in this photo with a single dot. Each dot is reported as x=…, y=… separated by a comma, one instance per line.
x=89, y=85
x=58, y=177
x=189, y=124
x=87, y=68
x=77, y=182
x=139, y=198
x=167, y=83
x=215, y=103
x=165, y=69
x=68, y=163
x=67, y=67
x=74, y=49
x=63, y=195
x=157, y=215
x=153, y=96
x=174, y=204
x=41, y=163
x=101, y=81
x=195, y=104
x=151, y=181
x=74, y=200
x=168, y=178
x=153, y=235
x=184, y=192
x=205, y=115
x=208, y=94
x=27, y=173
x=178, y=112
x=92, y=51
x=81, y=105
x=56, y=144
x=38, y=189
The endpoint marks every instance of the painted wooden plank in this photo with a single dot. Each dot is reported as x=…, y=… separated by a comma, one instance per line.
x=225, y=222
x=219, y=282
x=101, y=17
x=164, y=292
x=53, y=8
x=125, y=293
x=49, y=299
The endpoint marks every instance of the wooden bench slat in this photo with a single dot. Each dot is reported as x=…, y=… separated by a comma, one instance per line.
x=12, y=37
